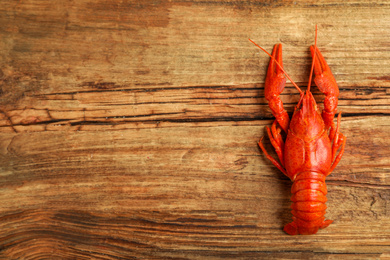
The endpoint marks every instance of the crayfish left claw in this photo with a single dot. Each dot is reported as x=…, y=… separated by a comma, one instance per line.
x=326, y=82
x=274, y=85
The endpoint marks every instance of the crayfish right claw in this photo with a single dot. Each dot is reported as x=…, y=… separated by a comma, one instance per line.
x=326, y=82
x=324, y=78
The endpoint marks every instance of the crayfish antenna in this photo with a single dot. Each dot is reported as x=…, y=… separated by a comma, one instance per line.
x=312, y=63
x=280, y=66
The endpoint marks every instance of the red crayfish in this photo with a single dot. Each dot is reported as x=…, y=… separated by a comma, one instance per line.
x=308, y=153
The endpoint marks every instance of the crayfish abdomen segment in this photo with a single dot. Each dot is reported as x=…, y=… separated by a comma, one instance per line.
x=308, y=208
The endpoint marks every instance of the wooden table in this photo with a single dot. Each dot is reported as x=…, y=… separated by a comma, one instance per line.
x=129, y=129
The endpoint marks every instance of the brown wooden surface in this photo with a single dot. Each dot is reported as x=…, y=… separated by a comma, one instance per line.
x=129, y=129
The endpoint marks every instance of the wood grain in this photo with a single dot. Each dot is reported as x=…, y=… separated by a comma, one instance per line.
x=128, y=129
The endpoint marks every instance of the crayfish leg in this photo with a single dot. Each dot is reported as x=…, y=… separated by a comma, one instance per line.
x=269, y=157
x=277, y=141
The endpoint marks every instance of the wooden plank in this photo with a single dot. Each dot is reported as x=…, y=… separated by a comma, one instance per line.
x=128, y=129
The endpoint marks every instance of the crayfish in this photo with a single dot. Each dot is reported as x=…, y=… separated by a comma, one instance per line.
x=309, y=152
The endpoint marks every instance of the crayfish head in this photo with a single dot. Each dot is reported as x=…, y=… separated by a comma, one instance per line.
x=307, y=121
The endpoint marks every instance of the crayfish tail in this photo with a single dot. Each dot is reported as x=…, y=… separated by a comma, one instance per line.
x=326, y=223
x=291, y=229
x=308, y=207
